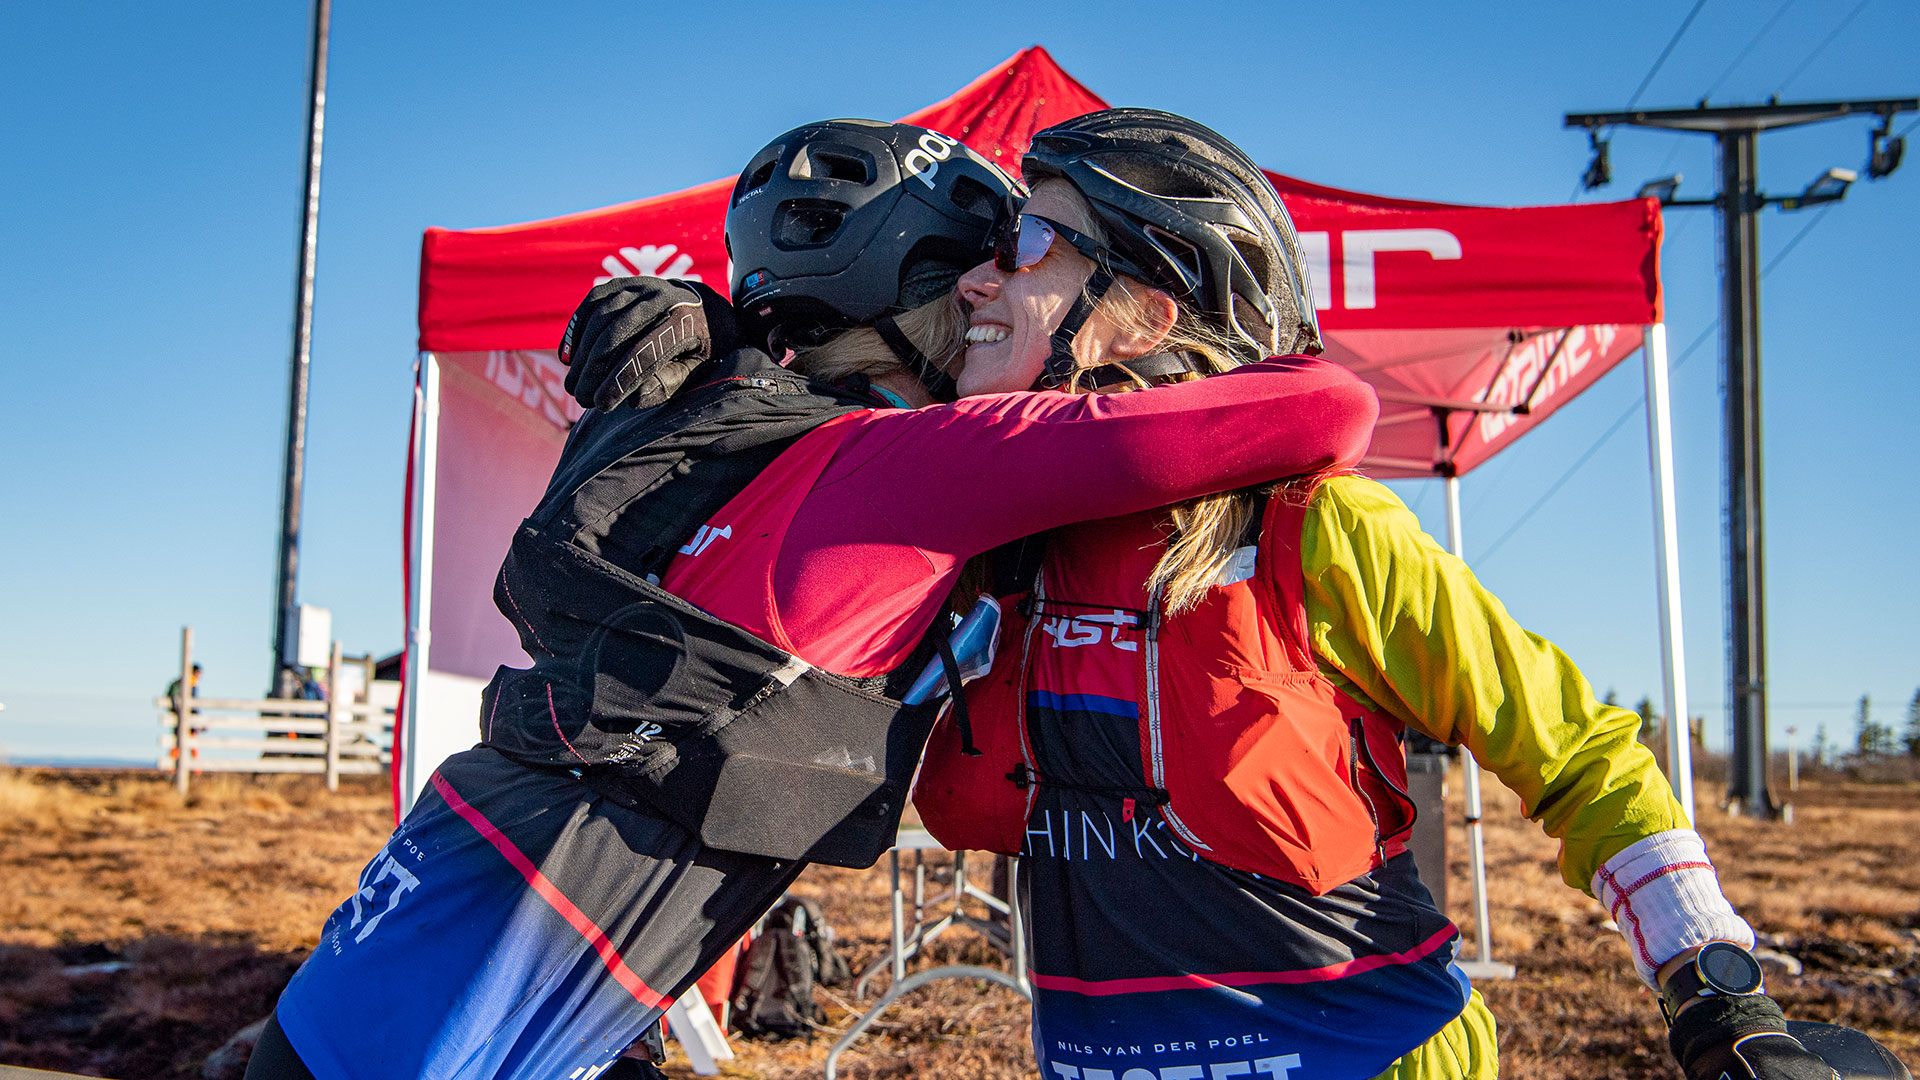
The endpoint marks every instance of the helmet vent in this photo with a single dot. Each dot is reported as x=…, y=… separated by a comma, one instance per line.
x=974, y=198
x=807, y=223
x=1188, y=259
x=831, y=163
x=760, y=176
x=1256, y=258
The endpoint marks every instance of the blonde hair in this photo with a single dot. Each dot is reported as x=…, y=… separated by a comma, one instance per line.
x=935, y=328
x=1206, y=529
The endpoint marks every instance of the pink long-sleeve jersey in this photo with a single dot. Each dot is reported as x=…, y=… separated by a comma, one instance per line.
x=844, y=549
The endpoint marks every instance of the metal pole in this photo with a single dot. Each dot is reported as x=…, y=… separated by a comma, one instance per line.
x=410, y=773
x=337, y=714
x=183, y=711
x=282, y=683
x=1740, y=324
x=1736, y=130
x=1673, y=664
x=1017, y=927
x=1476, y=838
x=899, y=923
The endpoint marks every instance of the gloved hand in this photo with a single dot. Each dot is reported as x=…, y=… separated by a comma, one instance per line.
x=1741, y=1038
x=634, y=340
x=1852, y=1053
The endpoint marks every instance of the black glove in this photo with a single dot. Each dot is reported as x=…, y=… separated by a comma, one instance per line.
x=634, y=340
x=1741, y=1038
x=1853, y=1054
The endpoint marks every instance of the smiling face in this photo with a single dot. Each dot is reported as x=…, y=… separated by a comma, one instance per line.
x=1015, y=313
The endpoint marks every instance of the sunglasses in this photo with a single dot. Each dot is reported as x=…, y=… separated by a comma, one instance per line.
x=1025, y=239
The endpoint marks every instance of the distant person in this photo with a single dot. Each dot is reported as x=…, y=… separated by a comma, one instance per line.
x=193, y=690
x=311, y=688
x=193, y=684
x=307, y=687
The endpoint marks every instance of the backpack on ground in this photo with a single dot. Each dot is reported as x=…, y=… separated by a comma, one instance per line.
x=829, y=967
x=793, y=953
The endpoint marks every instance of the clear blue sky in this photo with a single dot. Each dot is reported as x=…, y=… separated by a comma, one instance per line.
x=149, y=211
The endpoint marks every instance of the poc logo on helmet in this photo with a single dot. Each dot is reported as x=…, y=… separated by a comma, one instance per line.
x=924, y=163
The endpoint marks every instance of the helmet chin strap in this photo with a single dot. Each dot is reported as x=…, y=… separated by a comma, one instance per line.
x=1060, y=362
x=1144, y=368
x=938, y=383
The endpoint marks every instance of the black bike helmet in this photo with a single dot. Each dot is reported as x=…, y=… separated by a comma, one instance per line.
x=1194, y=213
x=846, y=222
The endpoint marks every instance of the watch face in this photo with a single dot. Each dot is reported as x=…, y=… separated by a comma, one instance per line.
x=1729, y=969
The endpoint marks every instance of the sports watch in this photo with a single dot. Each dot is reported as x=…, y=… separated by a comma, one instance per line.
x=1720, y=969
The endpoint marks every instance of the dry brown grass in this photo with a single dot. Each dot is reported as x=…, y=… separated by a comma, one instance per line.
x=214, y=901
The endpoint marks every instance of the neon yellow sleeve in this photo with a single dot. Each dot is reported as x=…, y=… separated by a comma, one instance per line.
x=1410, y=627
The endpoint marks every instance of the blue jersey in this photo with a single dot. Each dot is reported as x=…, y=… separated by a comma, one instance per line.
x=499, y=934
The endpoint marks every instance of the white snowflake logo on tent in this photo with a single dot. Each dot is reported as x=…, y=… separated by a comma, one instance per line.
x=648, y=261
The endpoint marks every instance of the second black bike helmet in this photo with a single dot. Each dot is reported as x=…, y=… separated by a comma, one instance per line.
x=1193, y=213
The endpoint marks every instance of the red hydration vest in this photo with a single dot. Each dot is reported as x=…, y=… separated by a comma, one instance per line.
x=1262, y=764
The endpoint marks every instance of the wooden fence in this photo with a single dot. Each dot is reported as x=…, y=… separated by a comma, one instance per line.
x=328, y=737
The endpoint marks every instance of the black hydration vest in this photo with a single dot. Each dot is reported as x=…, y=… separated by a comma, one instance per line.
x=659, y=705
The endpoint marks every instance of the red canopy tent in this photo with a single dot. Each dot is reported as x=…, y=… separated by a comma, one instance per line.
x=1474, y=323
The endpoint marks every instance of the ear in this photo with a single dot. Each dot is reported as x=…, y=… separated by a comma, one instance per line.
x=1155, y=318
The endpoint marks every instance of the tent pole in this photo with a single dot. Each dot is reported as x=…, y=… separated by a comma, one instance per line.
x=1673, y=665
x=1483, y=966
x=426, y=426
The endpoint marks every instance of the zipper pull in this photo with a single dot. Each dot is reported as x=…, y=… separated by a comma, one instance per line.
x=1126, y=809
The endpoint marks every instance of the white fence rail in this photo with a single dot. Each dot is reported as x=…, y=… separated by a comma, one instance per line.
x=271, y=735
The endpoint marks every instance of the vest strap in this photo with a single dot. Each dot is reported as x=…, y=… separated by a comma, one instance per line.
x=958, y=694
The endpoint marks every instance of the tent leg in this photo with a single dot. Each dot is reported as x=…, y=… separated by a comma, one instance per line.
x=1483, y=965
x=426, y=428
x=1673, y=667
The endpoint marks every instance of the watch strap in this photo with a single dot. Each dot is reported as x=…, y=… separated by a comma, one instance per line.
x=1683, y=986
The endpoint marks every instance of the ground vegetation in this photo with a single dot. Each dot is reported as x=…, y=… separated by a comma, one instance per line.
x=139, y=931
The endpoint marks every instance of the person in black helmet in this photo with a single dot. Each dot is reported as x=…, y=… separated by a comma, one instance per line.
x=727, y=590
x=1200, y=757
x=850, y=223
